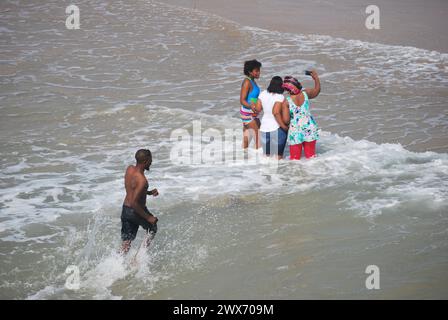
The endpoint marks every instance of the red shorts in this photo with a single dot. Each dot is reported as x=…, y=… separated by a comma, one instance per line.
x=295, y=150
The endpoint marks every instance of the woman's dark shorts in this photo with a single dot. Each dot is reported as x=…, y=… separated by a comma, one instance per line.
x=130, y=221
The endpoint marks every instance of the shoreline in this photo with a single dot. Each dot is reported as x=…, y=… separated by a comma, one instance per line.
x=402, y=22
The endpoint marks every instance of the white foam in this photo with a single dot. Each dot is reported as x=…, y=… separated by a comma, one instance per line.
x=103, y=276
x=340, y=160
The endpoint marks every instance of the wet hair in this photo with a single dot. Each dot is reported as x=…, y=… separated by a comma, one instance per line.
x=251, y=65
x=294, y=82
x=276, y=85
x=143, y=155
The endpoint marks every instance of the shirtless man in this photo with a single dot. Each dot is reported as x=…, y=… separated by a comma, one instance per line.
x=135, y=213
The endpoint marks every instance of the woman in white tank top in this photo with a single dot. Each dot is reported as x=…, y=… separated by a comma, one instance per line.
x=275, y=120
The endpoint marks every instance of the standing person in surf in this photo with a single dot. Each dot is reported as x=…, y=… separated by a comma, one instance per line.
x=134, y=212
x=248, y=99
x=303, y=129
x=275, y=121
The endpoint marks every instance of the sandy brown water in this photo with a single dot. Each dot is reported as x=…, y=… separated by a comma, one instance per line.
x=76, y=104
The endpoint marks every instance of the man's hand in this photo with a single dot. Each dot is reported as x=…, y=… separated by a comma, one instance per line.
x=314, y=74
x=153, y=192
x=152, y=219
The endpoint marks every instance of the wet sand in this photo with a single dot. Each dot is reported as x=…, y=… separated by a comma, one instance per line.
x=420, y=24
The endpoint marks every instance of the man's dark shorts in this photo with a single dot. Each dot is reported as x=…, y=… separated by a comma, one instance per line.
x=130, y=221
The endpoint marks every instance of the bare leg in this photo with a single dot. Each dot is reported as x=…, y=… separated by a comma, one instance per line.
x=257, y=134
x=149, y=236
x=126, y=245
x=251, y=130
x=246, y=136
x=257, y=139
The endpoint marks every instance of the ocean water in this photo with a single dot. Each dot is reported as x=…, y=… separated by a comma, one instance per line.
x=76, y=104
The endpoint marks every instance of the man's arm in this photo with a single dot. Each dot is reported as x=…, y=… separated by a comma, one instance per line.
x=139, y=191
x=313, y=93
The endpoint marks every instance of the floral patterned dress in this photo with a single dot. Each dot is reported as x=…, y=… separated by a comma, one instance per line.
x=302, y=127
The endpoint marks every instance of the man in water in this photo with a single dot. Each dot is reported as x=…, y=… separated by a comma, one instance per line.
x=135, y=213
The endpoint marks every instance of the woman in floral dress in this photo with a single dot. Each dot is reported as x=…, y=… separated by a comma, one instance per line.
x=303, y=129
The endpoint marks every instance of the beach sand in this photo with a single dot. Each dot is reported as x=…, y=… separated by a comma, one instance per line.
x=420, y=24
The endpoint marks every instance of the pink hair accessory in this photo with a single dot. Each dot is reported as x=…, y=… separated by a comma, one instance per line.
x=292, y=89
